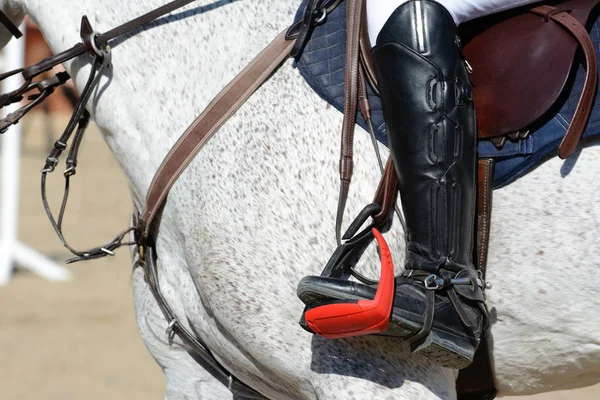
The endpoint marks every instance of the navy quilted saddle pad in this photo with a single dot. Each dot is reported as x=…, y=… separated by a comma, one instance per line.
x=322, y=66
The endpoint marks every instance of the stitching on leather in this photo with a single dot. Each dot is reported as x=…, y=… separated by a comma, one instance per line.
x=457, y=192
x=429, y=91
x=485, y=213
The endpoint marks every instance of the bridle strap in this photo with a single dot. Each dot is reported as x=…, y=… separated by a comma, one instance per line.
x=100, y=40
x=79, y=120
x=91, y=43
x=8, y=24
x=143, y=20
x=225, y=104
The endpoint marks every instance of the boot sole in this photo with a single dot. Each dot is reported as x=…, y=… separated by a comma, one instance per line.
x=440, y=347
x=445, y=349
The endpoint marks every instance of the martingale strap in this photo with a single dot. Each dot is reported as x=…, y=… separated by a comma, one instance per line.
x=226, y=103
x=220, y=109
x=191, y=343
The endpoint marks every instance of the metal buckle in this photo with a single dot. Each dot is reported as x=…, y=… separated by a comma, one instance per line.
x=170, y=332
x=44, y=88
x=322, y=17
x=432, y=282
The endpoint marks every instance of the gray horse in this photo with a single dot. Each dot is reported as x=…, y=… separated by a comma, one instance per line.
x=255, y=212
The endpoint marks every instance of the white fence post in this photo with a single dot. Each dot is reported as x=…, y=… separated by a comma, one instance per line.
x=11, y=250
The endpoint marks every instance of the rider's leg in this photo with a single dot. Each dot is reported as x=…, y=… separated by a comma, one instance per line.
x=430, y=119
x=378, y=11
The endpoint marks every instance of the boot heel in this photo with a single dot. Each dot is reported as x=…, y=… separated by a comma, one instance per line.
x=445, y=349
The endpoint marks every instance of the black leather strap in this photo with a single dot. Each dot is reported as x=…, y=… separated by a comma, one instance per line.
x=8, y=24
x=476, y=382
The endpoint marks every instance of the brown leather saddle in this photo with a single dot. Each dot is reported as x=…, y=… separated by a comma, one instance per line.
x=520, y=61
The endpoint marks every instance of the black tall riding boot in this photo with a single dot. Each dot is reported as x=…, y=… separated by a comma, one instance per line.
x=431, y=126
x=428, y=108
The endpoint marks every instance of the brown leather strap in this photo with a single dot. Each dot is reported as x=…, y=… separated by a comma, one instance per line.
x=366, y=57
x=485, y=177
x=584, y=107
x=354, y=10
x=78, y=49
x=386, y=194
x=143, y=19
x=220, y=109
x=476, y=382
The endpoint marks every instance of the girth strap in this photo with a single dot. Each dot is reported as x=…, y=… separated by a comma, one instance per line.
x=476, y=382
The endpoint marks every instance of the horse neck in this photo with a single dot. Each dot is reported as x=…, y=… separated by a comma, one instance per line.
x=163, y=76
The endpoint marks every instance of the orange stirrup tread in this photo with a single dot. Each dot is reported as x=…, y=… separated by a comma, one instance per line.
x=358, y=317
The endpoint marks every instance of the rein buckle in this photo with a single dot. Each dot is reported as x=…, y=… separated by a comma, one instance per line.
x=45, y=88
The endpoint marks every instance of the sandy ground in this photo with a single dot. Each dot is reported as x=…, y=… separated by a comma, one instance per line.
x=78, y=339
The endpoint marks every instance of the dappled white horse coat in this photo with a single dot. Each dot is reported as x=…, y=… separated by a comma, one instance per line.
x=255, y=212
